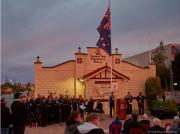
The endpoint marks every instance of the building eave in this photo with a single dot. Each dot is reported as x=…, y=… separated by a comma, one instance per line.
x=60, y=64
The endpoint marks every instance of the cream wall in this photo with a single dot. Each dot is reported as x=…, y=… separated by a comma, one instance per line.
x=137, y=80
x=59, y=79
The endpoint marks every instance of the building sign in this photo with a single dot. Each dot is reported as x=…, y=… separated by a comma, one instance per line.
x=102, y=90
x=97, y=57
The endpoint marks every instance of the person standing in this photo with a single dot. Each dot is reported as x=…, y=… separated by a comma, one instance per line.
x=140, y=99
x=19, y=114
x=111, y=103
x=5, y=117
x=74, y=102
x=90, y=105
x=81, y=103
x=129, y=99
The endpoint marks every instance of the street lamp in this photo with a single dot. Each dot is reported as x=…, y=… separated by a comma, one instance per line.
x=175, y=84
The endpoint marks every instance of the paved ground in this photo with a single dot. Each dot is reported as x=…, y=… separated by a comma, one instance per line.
x=59, y=128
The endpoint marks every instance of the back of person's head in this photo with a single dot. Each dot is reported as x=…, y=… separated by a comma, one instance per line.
x=129, y=117
x=135, y=116
x=145, y=117
x=17, y=95
x=117, y=117
x=156, y=122
x=93, y=118
x=74, y=118
x=176, y=119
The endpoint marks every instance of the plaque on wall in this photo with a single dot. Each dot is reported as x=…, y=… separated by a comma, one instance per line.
x=117, y=61
x=79, y=60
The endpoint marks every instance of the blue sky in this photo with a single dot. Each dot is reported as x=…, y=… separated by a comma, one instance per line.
x=54, y=29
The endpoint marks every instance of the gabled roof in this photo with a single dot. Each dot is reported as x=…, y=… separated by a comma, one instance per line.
x=88, y=75
x=147, y=67
x=60, y=64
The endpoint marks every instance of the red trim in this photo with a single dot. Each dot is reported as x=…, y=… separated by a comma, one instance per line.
x=60, y=64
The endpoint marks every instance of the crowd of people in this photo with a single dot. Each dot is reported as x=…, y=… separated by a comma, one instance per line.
x=42, y=111
x=132, y=125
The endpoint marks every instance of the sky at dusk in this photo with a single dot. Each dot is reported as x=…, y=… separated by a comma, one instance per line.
x=54, y=29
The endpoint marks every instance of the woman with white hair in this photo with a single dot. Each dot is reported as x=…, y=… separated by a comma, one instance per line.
x=156, y=129
x=175, y=128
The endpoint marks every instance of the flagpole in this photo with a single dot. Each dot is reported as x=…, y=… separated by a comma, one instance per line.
x=111, y=60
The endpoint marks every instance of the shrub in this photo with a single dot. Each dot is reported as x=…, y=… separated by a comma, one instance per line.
x=171, y=106
x=167, y=106
x=152, y=88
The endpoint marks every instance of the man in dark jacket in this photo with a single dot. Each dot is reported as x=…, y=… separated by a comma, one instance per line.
x=140, y=99
x=129, y=99
x=91, y=126
x=5, y=117
x=19, y=112
x=111, y=103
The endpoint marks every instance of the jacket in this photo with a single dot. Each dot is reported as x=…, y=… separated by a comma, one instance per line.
x=89, y=128
x=19, y=113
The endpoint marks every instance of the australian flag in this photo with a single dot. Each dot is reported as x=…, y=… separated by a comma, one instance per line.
x=104, y=30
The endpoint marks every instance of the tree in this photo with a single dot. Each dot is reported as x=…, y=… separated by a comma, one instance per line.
x=152, y=88
x=6, y=85
x=28, y=86
x=176, y=71
x=162, y=71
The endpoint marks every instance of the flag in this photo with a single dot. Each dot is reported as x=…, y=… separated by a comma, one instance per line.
x=104, y=30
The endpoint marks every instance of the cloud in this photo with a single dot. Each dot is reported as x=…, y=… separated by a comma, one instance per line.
x=55, y=29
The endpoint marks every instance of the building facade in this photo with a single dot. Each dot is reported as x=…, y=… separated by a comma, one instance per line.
x=143, y=59
x=90, y=75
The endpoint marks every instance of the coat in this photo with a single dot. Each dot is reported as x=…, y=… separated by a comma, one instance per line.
x=19, y=113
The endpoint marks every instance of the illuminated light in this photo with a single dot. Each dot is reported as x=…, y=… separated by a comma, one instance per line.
x=175, y=84
x=81, y=80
